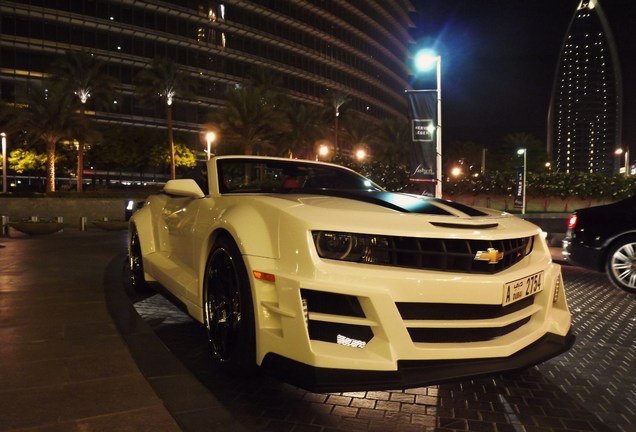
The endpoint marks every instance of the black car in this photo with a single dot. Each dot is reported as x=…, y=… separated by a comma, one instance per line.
x=603, y=238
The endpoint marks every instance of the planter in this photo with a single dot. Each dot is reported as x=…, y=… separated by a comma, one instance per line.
x=111, y=225
x=37, y=228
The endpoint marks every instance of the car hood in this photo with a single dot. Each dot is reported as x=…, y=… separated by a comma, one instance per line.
x=399, y=213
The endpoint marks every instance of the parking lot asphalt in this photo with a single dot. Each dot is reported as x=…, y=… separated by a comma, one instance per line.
x=81, y=353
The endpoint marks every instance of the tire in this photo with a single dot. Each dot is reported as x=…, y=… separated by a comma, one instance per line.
x=621, y=264
x=136, y=264
x=228, y=308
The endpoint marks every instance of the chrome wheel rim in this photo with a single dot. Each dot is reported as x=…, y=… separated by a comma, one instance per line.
x=623, y=265
x=135, y=262
x=223, y=304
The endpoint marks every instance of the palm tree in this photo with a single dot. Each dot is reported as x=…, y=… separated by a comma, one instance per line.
x=358, y=131
x=163, y=80
x=250, y=119
x=84, y=76
x=49, y=116
x=393, y=141
x=336, y=99
x=306, y=126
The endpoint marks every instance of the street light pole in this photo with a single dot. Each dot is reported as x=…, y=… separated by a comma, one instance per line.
x=4, y=161
x=210, y=137
x=619, y=152
x=423, y=61
x=438, y=143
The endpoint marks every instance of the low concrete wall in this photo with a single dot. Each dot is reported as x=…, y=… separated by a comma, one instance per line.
x=533, y=204
x=71, y=209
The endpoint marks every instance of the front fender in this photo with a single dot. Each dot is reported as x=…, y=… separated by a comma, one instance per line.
x=142, y=222
x=254, y=230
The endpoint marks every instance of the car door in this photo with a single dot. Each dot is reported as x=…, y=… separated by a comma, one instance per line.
x=179, y=216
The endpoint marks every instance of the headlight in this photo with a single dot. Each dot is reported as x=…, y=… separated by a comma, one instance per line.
x=363, y=248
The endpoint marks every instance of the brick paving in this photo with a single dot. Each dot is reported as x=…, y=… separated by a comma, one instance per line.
x=590, y=388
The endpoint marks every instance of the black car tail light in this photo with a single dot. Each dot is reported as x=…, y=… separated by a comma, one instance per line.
x=572, y=221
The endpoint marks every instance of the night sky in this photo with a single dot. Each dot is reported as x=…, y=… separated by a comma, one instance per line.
x=499, y=59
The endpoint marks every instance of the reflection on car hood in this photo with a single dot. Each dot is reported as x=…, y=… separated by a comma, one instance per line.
x=404, y=203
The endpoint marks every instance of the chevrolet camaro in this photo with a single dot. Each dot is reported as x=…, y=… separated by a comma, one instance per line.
x=314, y=274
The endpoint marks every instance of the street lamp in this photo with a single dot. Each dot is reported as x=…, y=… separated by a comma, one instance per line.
x=361, y=154
x=4, y=161
x=619, y=152
x=523, y=152
x=425, y=60
x=209, y=138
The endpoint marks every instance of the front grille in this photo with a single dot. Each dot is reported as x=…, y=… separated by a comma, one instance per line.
x=455, y=255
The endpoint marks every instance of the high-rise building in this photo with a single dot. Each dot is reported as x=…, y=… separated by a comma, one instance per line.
x=355, y=47
x=586, y=109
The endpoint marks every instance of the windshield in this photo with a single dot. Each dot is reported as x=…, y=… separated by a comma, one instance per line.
x=275, y=176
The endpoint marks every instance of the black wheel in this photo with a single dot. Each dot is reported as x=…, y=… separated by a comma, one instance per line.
x=135, y=264
x=621, y=264
x=229, y=313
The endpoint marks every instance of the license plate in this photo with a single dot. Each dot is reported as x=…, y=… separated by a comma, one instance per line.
x=522, y=288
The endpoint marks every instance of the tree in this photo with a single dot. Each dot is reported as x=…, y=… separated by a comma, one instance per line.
x=464, y=154
x=336, y=99
x=357, y=131
x=250, y=120
x=306, y=126
x=183, y=156
x=164, y=81
x=83, y=75
x=24, y=161
x=505, y=157
x=49, y=116
x=393, y=141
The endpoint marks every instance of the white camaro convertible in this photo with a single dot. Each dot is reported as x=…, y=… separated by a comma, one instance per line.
x=318, y=276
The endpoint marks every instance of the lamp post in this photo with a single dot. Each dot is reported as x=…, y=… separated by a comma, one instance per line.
x=425, y=60
x=209, y=138
x=523, y=152
x=4, y=161
x=619, y=152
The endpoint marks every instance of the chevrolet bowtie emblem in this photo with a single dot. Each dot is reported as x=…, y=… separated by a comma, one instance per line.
x=492, y=255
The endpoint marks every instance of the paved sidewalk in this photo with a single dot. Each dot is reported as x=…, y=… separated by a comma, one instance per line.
x=66, y=366
x=63, y=364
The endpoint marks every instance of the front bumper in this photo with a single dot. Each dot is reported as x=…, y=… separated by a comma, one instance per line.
x=414, y=373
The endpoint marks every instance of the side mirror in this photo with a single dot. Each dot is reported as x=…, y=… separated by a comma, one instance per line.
x=184, y=188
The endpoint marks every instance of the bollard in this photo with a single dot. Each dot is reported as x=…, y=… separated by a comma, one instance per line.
x=83, y=223
x=5, y=226
x=60, y=219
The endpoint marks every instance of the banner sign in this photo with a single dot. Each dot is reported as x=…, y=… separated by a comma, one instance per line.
x=519, y=189
x=423, y=116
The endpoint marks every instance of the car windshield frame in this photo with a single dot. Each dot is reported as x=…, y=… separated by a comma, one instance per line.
x=264, y=175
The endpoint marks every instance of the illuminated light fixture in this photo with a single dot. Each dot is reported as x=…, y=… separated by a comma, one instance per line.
x=267, y=277
x=557, y=288
x=346, y=341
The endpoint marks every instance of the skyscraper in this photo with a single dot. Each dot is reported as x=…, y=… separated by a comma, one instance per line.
x=585, y=117
x=353, y=47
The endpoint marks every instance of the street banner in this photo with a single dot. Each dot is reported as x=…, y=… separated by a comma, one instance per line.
x=423, y=117
x=519, y=189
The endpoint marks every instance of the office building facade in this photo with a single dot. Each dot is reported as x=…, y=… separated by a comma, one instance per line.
x=352, y=47
x=586, y=109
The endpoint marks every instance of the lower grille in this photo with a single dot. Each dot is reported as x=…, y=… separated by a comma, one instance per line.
x=436, y=335
x=333, y=306
x=446, y=312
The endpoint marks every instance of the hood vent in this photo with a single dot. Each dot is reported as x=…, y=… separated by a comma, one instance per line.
x=465, y=226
